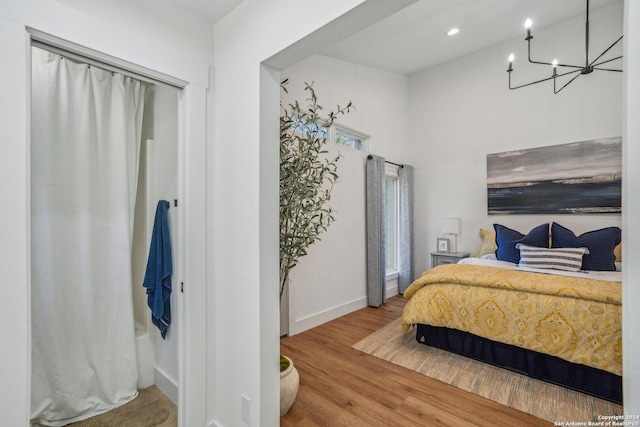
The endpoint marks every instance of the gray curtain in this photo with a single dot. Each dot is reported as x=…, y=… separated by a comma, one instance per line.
x=376, y=293
x=405, y=238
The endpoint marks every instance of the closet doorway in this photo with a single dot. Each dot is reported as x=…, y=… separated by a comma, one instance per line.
x=104, y=152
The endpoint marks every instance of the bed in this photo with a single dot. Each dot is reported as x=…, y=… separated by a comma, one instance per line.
x=562, y=327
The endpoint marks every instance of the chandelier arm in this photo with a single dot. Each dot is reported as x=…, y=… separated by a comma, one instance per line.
x=593, y=63
x=568, y=66
x=608, y=60
x=567, y=73
x=563, y=86
x=527, y=84
x=595, y=66
x=541, y=80
x=607, y=69
x=546, y=63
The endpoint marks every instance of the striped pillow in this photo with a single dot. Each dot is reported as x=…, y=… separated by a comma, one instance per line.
x=567, y=259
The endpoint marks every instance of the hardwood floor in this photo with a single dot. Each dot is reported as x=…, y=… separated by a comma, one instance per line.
x=340, y=386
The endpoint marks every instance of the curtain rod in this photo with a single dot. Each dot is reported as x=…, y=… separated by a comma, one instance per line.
x=99, y=64
x=386, y=161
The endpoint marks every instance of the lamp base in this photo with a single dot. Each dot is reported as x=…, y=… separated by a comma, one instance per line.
x=453, y=243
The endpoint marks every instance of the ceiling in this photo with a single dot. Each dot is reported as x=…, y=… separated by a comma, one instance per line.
x=415, y=38
x=211, y=10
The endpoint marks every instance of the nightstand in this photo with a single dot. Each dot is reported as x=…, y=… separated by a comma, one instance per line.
x=440, y=258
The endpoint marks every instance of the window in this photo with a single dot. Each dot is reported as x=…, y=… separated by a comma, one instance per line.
x=339, y=134
x=344, y=136
x=391, y=221
x=301, y=126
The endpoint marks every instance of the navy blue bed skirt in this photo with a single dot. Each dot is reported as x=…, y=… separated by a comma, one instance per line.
x=536, y=365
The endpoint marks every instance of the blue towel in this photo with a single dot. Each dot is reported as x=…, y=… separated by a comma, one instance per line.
x=157, y=278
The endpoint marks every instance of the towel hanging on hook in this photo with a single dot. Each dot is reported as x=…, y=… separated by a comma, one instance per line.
x=157, y=277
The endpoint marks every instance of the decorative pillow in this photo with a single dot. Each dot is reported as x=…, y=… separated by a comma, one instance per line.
x=567, y=259
x=488, y=245
x=617, y=252
x=507, y=239
x=600, y=243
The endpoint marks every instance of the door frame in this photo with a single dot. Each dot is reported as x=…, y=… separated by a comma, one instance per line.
x=190, y=243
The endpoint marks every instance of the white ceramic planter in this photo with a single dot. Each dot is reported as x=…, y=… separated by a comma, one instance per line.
x=289, y=383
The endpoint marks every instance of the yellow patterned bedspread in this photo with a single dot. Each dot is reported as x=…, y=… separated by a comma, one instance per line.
x=579, y=320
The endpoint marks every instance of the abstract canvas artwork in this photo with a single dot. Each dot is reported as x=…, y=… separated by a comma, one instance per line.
x=576, y=178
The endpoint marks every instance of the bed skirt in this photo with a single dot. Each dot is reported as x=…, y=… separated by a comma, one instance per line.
x=536, y=365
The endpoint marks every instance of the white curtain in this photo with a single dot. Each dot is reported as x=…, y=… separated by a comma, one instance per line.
x=85, y=135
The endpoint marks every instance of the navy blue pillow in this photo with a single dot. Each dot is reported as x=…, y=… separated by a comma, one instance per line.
x=599, y=242
x=507, y=239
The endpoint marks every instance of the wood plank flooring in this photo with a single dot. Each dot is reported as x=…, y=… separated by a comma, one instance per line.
x=340, y=386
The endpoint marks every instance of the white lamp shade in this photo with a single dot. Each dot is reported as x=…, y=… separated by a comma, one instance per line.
x=451, y=226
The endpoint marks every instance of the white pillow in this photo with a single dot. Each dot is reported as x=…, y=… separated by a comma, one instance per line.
x=489, y=256
x=566, y=259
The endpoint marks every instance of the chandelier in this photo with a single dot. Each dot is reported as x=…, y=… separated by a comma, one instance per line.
x=578, y=70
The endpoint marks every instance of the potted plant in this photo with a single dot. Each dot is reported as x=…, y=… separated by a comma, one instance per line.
x=307, y=176
x=289, y=383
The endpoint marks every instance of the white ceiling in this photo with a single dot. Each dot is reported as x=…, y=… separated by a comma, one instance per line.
x=211, y=10
x=415, y=38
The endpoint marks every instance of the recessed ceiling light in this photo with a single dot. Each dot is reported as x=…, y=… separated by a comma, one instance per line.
x=453, y=31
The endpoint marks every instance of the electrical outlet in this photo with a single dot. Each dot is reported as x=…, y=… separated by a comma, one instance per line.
x=246, y=409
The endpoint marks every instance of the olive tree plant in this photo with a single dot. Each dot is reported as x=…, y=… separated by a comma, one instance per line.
x=307, y=176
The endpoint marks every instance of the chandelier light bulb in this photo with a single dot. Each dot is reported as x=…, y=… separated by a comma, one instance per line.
x=453, y=31
x=510, y=69
x=527, y=25
x=554, y=62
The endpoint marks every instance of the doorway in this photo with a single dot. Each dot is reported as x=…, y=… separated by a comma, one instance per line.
x=102, y=142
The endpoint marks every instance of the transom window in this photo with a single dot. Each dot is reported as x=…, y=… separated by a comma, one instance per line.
x=346, y=137
x=337, y=133
x=302, y=127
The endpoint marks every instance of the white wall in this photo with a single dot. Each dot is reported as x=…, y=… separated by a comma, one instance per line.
x=463, y=110
x=331, y=280
x=631, y=214
x=243, y=186
x=243, y=307
x=153, y=35
x=159, y=182
x=165, y=187
x=15, y=375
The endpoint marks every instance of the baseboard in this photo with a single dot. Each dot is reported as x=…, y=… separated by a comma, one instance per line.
x=301, y=325
x=166, y=385
x=318, y=319
x=392, y=290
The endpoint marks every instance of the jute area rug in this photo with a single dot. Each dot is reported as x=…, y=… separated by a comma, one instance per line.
x=150, y=409
x=538, y=398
